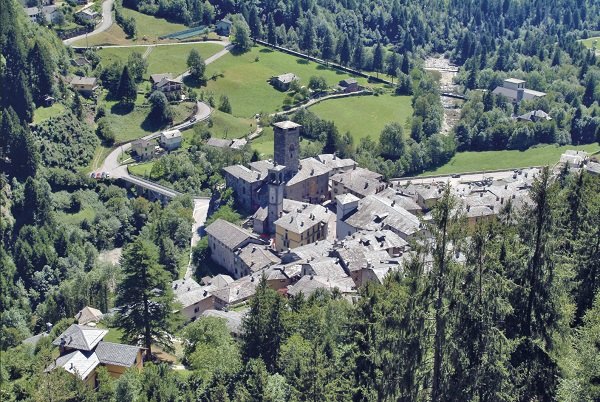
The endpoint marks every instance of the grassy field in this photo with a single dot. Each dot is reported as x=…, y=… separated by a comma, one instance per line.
x=75, y=219
x=42, y=113
x=264, y=144
x=149, y=28
x=245, y=79
x=141, y=169
x=162, y=59
x=365, y=116
x=464, y=162
x=135, y=124
x=590, y=42
x=225, y=125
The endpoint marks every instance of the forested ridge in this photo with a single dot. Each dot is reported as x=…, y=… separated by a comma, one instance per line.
x=501, y=311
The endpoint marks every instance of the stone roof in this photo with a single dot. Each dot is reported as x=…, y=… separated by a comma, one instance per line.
x=193, y=296
x=357, y=258
x=360, y=181
x=117, y=354
x=88, y=314
x=348, y=81
x=376, y=213
x=80, y=337
x=301, y=220
x=321, y=248
x=535, y=115
x=181, y=286
x=243, y=173
x=79, y=363
x=33, y=340
x=399, y=198
x=233, y=319
x=514, y=81
x=77, y=80
x=308, y=284
x=287, y=78
x=333, y=162
x=229, y=234
x=288, y=124
x=261, y=166
x=261, y=214
x=309, y=167
x=171, y=134
x=237, y=291
x=156, y=78
x=257, y=257
x=239, y=143
x=378, y=240
x=593, y=168
x=327, y=267
x=219, y=143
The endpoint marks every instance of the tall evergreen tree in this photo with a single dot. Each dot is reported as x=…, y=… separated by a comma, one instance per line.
x=254, y=23
x=271, y=30
x=145, y=298
x=345, y=51
x=378, y=57
x=358, y=58
x=42, y=72
x=127, y=92
x=263, y=326
x=197, y=65
x=327, y=45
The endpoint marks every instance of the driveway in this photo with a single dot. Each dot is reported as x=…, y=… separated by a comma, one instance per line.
x=111, y=163
x=104, y=25
x=211, y=59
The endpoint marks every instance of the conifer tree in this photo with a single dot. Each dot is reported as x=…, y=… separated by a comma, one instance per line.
x=127, y=91
x=271, y=30
x=263, y=326
x=42, y=71
x=145, y=298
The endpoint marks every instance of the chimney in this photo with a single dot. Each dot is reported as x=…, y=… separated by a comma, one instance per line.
x=312, y=171
x=520, y=93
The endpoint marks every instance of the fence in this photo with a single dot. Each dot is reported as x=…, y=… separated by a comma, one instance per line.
x=188, y=33
x=335, y=66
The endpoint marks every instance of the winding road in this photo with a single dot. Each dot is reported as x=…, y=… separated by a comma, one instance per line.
x=107, y=21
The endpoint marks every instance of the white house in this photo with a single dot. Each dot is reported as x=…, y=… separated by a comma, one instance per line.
x=170, y=140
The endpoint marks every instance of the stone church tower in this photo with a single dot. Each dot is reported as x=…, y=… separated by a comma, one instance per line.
x=276, y=185
x=287, y=146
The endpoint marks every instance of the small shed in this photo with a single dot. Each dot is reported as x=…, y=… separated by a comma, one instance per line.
x=283, y=81
x=223, y=27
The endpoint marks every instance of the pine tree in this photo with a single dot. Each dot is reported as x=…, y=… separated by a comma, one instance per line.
x=271, y=30
x=358, y=56
x=16, y=92
x=309, y=36
x=224, y=105
x=42, y=72
x=405, y=64
x=345, y=51
x=19, y=145
x=145, y=298
x=327, y=46
x=254, y=23
x=378, y=57
x=446, y=238
x=263, y=326
x=127, y=92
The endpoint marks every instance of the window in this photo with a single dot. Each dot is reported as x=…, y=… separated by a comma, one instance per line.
x=196, y=309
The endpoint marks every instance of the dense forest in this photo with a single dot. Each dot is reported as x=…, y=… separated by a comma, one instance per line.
x=503, y=311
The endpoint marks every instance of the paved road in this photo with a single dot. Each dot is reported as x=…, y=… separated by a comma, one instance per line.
x=201, y=206
x=223, y=43
x=104, y=25
x=211, y=59
x=111, y=163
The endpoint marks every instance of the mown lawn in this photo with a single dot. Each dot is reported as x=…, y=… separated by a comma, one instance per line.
x=225, y=125
x=75, y=219
x=245, y=79
x=464, y=162
x=149, y=28
x=43, y=113
x=365, y=116
x=130, y=125
x=141, y=169
x=162, y=59
x=591, y=42
x=264, y=144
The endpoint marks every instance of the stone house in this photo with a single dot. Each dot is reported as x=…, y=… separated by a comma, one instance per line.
x=144, y=149
x=166, y=84
x=224, y=240
x=283, y=81
x=358, y=181
x=86, y=86
x=170, y=139
x=223, y=27
x=82, y=350
x=349, y=85
x=301, y=227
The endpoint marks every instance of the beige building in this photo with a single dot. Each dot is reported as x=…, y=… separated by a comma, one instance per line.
x=84, y=85
x=224, y=240
x=144, y=149
x=302, y=226
x=358, y=182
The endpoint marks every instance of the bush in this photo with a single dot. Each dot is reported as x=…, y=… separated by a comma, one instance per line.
x=105, y=132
